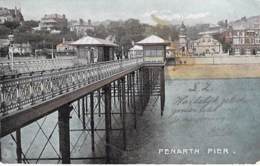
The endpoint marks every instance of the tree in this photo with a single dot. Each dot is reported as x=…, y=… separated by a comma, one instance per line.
x=221, y=23
x=27, y=26
x=225, y=45
x=100, y=31
x=4, y=31
x=11, y=25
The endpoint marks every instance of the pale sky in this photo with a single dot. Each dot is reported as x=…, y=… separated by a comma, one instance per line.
x=191, y=11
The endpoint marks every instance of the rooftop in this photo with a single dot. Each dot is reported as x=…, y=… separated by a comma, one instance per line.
x=92, y=41
x=153, y=40
x=136, y=48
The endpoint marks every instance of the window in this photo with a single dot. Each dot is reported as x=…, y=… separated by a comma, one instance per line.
x=160, y=52
x=153, y=53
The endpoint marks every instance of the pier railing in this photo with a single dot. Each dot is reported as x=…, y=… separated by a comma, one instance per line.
x=32, y=88
x=23, y=66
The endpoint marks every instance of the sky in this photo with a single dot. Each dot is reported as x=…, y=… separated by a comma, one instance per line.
x=175, y=11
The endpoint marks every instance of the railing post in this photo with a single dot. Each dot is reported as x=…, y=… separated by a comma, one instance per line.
x=64, y=132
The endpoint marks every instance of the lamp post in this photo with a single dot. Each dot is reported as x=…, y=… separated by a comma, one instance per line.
x=11, y=50
x=52, y=53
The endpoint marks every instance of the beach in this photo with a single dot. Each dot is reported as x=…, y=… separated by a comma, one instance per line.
x=213, y=71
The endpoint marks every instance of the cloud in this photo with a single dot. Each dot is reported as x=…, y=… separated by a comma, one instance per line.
x=197, y=15
x=172, y=16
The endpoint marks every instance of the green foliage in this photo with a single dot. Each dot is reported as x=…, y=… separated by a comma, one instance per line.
x=124, y=32
x=43, y=39
x=11, y=25
x=27, y=26
x=4, y=31
x=193, y=31
x=225, y=45
x=132, y=30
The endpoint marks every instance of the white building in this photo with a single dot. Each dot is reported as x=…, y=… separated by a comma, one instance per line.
x=81, y=27
x=246, y=40
x=206, y=46
x=65, y=46
x=136, y=51
x=53, y=22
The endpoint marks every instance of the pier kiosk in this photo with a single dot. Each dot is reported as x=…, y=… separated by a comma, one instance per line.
x=92, y=49
x=154, y=56
x=154, y=49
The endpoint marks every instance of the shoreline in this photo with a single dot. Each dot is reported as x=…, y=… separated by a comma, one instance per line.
x=191, y=72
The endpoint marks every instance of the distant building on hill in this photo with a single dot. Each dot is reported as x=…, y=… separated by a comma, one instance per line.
x=53, y=22
x=81, y=27
x=10, y=15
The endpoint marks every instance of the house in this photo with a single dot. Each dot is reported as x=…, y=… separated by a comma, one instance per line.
x=244, y=36
x=136, y=51
x=65, y=48
x=206, y=45
x=10, y=15
x=53, y=22
x=4, y=43
x=81, y=27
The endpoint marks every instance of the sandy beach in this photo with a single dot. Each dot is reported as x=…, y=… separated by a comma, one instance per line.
x=213, y=71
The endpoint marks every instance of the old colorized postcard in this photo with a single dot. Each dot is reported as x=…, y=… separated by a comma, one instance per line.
x=130, y=81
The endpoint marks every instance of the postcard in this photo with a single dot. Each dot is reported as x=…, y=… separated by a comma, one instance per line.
x=129, y=82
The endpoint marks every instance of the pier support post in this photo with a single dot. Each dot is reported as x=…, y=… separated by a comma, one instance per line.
x=18, y=146
x=99, y=102
x=141, y=96
x=83, y=113
x=162, y=90
x=0, y=142
x=133, y=93
x=128, y=89
x=107, y=91
x=92, y=125
x=64, y=132
x=124, y=111
x=120, y=97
